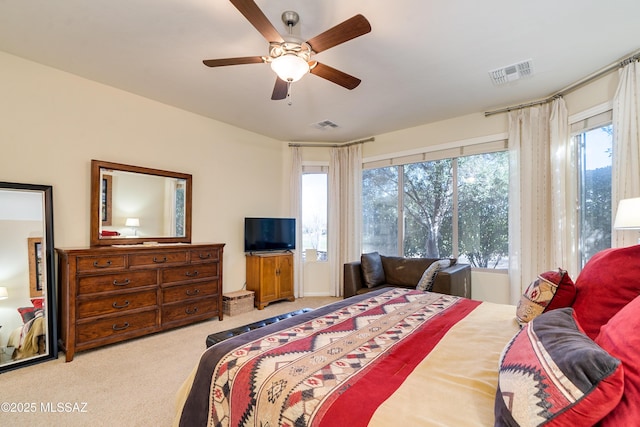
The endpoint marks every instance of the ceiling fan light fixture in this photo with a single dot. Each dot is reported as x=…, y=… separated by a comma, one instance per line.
x=290, y=67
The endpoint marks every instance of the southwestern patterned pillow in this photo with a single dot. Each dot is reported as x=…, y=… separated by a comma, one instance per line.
x=551, y=373
x=551, y=290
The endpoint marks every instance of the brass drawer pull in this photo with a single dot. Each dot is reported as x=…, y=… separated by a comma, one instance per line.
x=96, y=265
x=125, y=283
x=190, y=274
x=194, y=292
x=115, y=304
x=115, y=327
x=160, y=261
x=205, y=256
x=191, y=311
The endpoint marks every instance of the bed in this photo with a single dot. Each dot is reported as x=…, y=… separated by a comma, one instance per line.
x=425, y=359
x=29, y=339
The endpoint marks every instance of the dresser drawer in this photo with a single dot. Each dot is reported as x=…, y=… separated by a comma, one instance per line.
x=116, y=281
x=116, y=303
x=188, y=291
x=192, y=272
x=100, y=262
x=160, y=258
x=185, y=310
x=127, y=324
x=204, y=255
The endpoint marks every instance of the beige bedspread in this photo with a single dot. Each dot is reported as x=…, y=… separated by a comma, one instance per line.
x=455, y=384
x=26, y=338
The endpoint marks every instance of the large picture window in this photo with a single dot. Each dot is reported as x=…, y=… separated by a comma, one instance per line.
x=446, y=207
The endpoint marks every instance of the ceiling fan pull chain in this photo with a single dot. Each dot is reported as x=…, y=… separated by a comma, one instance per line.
x=289, y=102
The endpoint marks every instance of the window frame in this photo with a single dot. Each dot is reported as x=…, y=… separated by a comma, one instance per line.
x=594, y=118
x=453, y=151
x=314, y=169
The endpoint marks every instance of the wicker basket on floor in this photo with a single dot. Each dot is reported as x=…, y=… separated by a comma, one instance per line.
x=234, y=303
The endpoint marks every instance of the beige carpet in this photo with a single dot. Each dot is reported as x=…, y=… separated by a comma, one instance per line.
x=127, y=384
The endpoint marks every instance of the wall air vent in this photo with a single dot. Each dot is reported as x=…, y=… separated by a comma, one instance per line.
x=325, y=124
x=510, y=73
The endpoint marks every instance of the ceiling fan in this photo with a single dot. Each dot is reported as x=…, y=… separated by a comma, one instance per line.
x=290, y=57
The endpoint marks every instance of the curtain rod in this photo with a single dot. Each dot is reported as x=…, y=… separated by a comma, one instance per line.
x=344, y=144
x=591, y=77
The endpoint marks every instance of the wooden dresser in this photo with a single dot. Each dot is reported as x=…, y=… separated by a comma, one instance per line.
x=114, y=293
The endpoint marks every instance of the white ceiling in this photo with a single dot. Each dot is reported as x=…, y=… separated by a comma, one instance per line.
x=423, y=60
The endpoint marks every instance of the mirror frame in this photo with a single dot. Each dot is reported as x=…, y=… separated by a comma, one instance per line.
x=96, y=205
x=49, y=268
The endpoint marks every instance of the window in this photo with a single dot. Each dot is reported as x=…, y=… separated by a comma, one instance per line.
x=483, y=210
x=380, y=210
x=314, y=212
x=594, y=142
x=454, y=206
x=428, y=209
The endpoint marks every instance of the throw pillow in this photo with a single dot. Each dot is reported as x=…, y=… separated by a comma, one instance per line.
x=621, y=339
x=429, y=275
x=372, y=271
x=608, y=282
x=27, y=313
x=553, y=374
x=551, y=290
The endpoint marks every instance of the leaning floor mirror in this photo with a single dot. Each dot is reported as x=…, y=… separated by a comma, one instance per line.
x=27, y=286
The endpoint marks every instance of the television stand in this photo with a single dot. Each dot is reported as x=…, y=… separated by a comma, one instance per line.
x=270, y=277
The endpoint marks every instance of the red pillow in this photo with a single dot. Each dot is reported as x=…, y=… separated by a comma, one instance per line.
x=551, y=290
x=621, y=339
x=37, y=302
x=608, y=282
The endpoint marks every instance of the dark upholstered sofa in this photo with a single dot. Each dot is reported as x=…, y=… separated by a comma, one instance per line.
x=406, y=273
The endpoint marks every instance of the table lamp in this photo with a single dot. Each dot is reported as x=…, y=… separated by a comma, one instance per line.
x=134, y=223
x=3, y=293
x=628, y=215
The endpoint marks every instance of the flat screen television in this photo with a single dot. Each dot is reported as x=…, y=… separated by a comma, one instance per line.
x=269, y=234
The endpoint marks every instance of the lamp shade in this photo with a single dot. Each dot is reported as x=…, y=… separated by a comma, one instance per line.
x=132, y=222
x=290, y=67
x=628, y=215
x=3, y=293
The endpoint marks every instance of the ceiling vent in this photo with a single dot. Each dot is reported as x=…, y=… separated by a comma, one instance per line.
x=510, y=73
x=325, y=124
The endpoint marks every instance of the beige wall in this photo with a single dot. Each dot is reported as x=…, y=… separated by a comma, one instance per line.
x=53, y=123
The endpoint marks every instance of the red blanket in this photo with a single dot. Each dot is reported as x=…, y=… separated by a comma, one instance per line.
x=333, y=366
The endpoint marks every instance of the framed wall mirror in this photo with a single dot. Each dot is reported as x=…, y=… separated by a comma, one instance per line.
x=133, y=205
x=27, y=284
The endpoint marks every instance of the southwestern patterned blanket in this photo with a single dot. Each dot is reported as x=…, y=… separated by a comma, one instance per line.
x=422, y=357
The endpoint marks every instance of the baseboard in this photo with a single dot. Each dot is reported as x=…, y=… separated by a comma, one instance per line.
x=317, y=294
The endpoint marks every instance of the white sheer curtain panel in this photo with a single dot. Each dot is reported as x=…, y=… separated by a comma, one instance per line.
x=529, y=197
x=345, y=211
x=626, y=147
x=295, y=190
x=564, y=191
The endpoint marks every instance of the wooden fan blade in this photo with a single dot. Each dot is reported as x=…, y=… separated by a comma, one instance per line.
x=254, y=15
x=336, y=76
x=349, y=29
x=280, y=89
x=232, y=61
